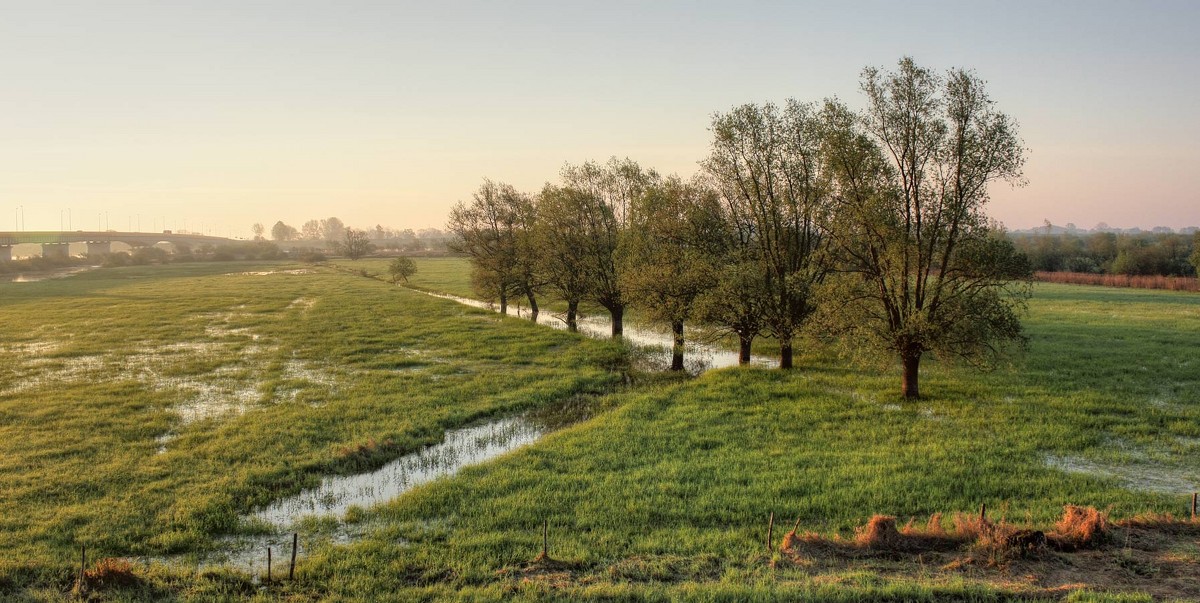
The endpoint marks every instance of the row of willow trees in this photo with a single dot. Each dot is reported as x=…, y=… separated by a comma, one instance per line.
x=863, y=228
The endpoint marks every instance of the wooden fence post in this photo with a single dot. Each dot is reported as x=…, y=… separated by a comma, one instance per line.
x=546, y=538
x=268, y=565
x=770, y=530
x=82, y=566
x=292, y=567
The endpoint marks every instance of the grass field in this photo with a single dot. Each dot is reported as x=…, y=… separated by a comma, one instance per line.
x=664, y=495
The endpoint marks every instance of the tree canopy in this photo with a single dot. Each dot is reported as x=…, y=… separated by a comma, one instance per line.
x=922, y=267
x=861, y=227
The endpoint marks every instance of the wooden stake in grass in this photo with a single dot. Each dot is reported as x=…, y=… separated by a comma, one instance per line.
x=770, y=530
x=545, y=538
x=82, y=565
x=292, y=567
x=268, y=565
x=982, y=513
x=1194, y=506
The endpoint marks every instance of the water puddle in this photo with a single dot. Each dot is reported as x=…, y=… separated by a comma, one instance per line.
x=305, y=304
x=698, y=357
x=295, y=271
x=460, y=448
x=162, y=441
x=37, y=277
x=336, y=495
x=1143, y=477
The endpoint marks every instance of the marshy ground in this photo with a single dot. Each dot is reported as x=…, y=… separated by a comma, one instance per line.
x=151, y=414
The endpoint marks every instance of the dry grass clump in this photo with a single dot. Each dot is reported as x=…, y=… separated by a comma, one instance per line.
x=1079, y=528
x=795, y=540
x=971, y=527
x=985, y=541
x=109, y=573
x=879, y=533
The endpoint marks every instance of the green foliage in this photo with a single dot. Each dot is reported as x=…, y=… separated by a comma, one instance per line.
x=1195, y=258
x=401, y=268
x=354, y=244
x=561, y=243
x=1148, y=253
x=668, y=256
x=767, y=165
x=603, y=198
x=495, y=232
x=923, y=270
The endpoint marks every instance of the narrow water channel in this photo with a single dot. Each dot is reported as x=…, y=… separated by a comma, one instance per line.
x=460, y=448
x=697, y=356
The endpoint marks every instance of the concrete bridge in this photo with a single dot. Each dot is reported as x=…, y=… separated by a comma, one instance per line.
x=57, y=244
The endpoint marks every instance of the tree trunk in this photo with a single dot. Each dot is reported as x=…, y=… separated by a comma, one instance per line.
x=533, y=308
x=677, y=348
x=744, y=342
x=912, y=363
x=504, y=302
x=618, y=320
x=785, y=354
x=572, y=316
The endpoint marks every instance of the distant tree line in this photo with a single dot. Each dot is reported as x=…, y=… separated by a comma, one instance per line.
x=333, y=232
x=1134, y=254
x=225, y=252
x=862, y=228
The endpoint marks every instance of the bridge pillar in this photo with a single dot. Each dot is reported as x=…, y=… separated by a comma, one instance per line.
x=5, y=253
x=56, y=250
x=97, y=249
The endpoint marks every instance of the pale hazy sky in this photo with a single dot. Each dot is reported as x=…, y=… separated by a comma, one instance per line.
x=217, y=115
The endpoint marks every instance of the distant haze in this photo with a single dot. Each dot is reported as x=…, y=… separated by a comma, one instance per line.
x=211, y=116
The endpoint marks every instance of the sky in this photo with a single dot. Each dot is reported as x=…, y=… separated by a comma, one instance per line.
x=211, y=116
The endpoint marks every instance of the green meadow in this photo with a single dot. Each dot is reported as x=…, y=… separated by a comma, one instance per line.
x=144, y=411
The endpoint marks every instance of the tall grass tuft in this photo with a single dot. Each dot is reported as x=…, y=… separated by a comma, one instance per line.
x=1080, y=527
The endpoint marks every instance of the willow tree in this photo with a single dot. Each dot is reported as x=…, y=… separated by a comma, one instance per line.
x=669, y=256
x=608, y=191
x=735, y=303
x=561, y=243
x=494, y=232
x=766, y=161
x=924, y=270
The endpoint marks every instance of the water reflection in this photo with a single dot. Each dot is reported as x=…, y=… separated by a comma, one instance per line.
x=37, y=277
x=461, y=447
x=697, y=356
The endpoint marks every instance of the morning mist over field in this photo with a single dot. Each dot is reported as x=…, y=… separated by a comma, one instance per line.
x=221, y=115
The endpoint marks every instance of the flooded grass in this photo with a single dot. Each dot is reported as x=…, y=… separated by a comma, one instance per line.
x=698, y=357
x=45, y=275
x=1143, y=477
x=460, y=448
x=145, y=411
x=361, y=416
